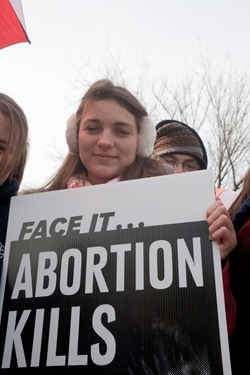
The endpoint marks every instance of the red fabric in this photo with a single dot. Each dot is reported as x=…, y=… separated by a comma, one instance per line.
x=218, y=191
x=230, y=304
x=244, y=253
x=11, y=29
x=240, y=286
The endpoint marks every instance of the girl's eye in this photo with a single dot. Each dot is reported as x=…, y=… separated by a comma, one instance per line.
x=122, y=131
x=2, y=149
x=91, y=128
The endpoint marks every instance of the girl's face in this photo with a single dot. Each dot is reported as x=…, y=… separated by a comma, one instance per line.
x=107, y=140
x=5, y=131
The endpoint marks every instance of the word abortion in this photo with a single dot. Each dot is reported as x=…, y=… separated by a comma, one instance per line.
x=93, y=270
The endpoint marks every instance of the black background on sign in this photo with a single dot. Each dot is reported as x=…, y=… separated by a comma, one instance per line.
x=193, y=310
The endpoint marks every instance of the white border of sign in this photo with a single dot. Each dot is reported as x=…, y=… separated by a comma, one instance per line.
x=179, y=198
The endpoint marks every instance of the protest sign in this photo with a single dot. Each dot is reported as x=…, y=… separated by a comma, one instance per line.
x=119, y=278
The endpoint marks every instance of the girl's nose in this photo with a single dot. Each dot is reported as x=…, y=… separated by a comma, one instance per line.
x=105, y=139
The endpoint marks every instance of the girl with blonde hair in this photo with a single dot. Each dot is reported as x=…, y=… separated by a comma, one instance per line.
x=13, y=156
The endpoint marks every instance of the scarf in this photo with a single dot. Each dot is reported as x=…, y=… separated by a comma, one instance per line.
x=76, y=182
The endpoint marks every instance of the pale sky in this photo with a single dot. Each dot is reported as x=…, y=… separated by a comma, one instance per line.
x=72, y=40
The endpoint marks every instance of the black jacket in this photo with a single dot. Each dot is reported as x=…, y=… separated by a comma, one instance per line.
x=7, y=190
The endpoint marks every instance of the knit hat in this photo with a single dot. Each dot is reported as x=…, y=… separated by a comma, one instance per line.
x=146, y=137
x=175, y=137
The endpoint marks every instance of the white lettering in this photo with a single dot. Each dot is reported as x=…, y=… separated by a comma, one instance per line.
x=120, y=268
x=48, y=258
x=23, y=279
x=76, y=256
x=93, y=269
x=52, y=358
x=166, y=249
x=194, y=265
x=13, y=338
x=96, y=356
x=74, y=358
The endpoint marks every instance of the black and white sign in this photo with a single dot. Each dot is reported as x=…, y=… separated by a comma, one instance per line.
x=118, y=278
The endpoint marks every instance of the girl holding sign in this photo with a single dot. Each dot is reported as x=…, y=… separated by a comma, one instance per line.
x=13, y=157
x=111, y=138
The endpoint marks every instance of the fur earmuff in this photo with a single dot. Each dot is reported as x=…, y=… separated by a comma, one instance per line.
x=146, y=137
x=71, y=135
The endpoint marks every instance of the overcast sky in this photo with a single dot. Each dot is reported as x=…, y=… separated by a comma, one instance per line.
x=73, y=39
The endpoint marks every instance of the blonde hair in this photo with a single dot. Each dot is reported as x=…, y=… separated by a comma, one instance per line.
x=18, y=122
x=101, y=90
x=243, y=195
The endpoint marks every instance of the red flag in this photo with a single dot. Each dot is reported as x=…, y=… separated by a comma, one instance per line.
x=12, y=25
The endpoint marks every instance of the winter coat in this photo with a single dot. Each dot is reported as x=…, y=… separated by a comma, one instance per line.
x=7, y=190
x=240, y=286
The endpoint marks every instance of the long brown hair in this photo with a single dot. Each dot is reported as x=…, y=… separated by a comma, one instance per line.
x=151, y=166
x=243, y=195
x=15, y=169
